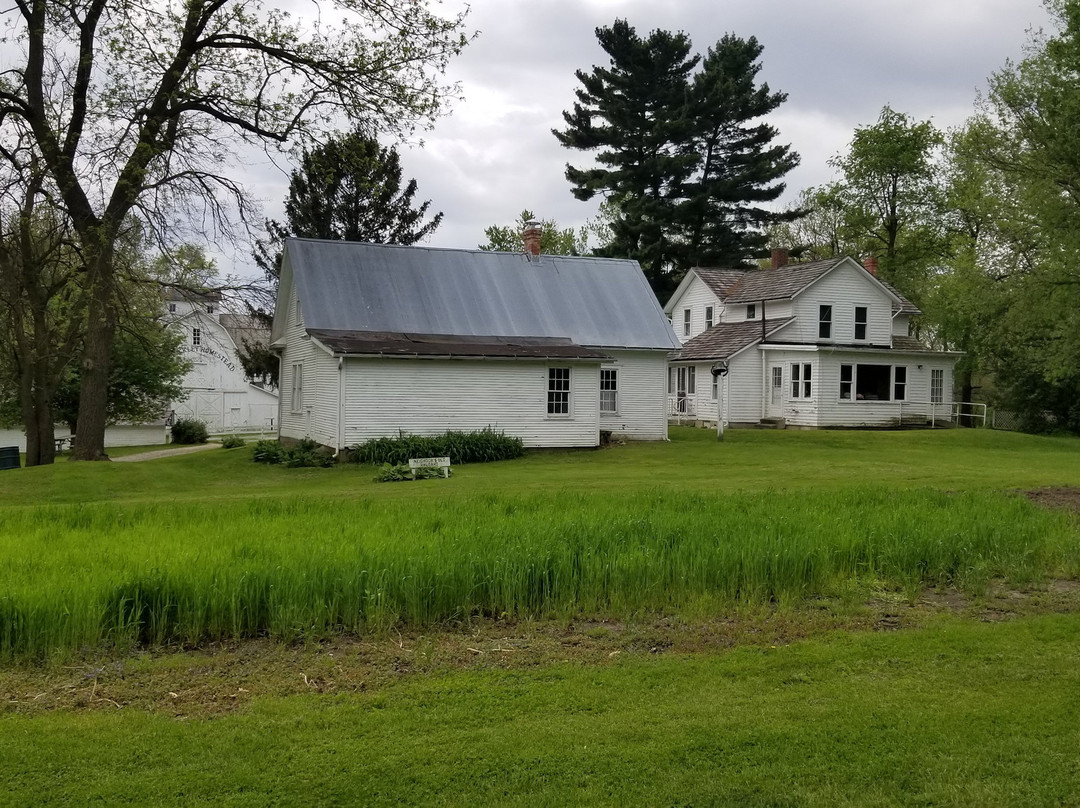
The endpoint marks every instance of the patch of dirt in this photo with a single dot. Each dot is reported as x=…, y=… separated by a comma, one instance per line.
x=221, y=678
x=1065, y=498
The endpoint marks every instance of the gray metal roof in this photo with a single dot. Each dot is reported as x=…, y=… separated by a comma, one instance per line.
x=350, y=286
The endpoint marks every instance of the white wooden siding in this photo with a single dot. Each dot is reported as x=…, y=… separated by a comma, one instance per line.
x=427, y=397
x=642, y=395
x=835, y=411
x=844, y=288
x=901, y=324
x=298, y=348
x=696, y=297
x=773, y=309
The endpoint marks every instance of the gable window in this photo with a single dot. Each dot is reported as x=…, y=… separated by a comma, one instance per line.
x=800, y=380
x=196, y=336
x=846, y=379
x=708, y=317
x=609, y=390
x=937, y=386
x=558, y=397
x=860, y=322
x=172, y=308
x=751, y=312
x=686, y=322
x=210, y=308
x=824, y=329
x=297, y=386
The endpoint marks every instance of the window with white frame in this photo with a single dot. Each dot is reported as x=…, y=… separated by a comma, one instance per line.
x=558, y=397
x=847, y=378
x=801, y=379
x=172, y=308
x=609, y=390
x=715, y=387
x=298, y=386
x=708, y=317
x=899, y=383
x=824, y=329
x=937, y=386
x=873, y=382
x=196, y=336
x=686, y=322
x=751, y=312
x=209, y=308
x=860, y=322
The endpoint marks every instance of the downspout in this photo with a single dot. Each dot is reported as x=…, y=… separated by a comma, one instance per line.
x=341, y=406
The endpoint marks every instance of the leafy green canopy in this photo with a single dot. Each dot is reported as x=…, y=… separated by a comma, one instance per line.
x=680, y=150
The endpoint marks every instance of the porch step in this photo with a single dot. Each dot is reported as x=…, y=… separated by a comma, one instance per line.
x=772, y=423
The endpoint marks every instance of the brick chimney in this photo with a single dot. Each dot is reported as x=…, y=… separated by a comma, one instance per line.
x=531, y=237
x=870, y=263
x=779, y=258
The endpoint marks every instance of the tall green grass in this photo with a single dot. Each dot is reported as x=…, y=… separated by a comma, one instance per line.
x=76, y=577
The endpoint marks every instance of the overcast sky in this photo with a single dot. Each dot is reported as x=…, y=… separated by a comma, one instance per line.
x=839, y=61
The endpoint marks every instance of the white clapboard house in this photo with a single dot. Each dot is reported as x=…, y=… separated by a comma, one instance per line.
x=819, y=344
x=216, y=390
x=376, y=339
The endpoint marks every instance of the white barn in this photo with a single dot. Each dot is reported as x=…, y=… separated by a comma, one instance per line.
x=820, y=344
x=377, y=339
x=216, y=390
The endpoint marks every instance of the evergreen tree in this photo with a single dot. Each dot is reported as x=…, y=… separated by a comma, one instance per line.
x=634, y=115
x=738, y=167
x=682, y=151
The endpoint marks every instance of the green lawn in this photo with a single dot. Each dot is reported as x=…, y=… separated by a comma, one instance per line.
x=809, y=530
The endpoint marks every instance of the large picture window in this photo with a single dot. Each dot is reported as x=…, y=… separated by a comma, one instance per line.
x=873, y=382
x=558, y=398
x=609, y=390
x=801, y=380
x=824, y=329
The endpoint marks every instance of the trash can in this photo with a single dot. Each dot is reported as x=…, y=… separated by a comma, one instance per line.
x=9, y=457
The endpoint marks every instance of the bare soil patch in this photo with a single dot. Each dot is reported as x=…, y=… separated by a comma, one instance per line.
x=1064, y=498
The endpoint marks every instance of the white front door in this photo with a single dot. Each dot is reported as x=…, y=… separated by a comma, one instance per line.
x=775, y=405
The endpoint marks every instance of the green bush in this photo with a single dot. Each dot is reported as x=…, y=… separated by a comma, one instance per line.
x=304, y=454
x=188, y=431
x=232, y=442
x=483, y=446
x=396, y=473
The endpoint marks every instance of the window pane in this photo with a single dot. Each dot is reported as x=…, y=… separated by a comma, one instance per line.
x=900, y=385
x=751, y=312
x=608, y=390
x=860, y=322
x=558, y=391
x=686, y=322
x=845, y=381
x=690, y=371
x=872, y=382
x=824, y=322
x=937, y=386
x=795, y=381
x=708, y=316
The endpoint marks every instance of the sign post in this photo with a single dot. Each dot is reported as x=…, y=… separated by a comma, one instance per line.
x=720, y=371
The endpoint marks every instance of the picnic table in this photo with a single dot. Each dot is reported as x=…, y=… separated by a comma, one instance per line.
x=61, y=442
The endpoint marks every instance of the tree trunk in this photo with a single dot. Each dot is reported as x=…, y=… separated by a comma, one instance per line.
x=966, y=388
x=97, y=351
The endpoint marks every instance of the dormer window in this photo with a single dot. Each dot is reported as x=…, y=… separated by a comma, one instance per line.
x=860, y=322
x=708, y=317
x=824, y=330
x=751, y=311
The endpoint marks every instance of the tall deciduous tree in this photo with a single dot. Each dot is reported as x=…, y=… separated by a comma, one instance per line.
x=135, y=108
x=682, y=152
x=554, y=240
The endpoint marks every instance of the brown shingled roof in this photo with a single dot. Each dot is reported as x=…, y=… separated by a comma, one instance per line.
x=781, y=283
x=720, y=281
x=380, y=343
x=724, y=340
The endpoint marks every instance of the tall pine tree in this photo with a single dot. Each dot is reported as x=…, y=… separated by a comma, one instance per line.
x=634, y=115
x=681, y=151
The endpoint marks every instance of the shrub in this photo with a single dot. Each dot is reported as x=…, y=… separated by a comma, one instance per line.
x=396, y=473
x=232, y=442
x=189, y=430
x=305, y=454
x=482, y=446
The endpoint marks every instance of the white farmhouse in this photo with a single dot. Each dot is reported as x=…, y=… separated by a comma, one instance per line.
x=376, y=339
x=819, y=344
x=217, y=391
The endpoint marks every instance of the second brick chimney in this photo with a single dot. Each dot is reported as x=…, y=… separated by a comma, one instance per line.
x=779, y=258
x=531, y=237
x=870, y=263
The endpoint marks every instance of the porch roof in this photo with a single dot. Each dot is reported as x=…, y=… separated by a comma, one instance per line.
x=724, y=340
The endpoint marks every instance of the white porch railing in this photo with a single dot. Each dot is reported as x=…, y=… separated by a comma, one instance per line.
x=682, y=406
x=969, y=409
